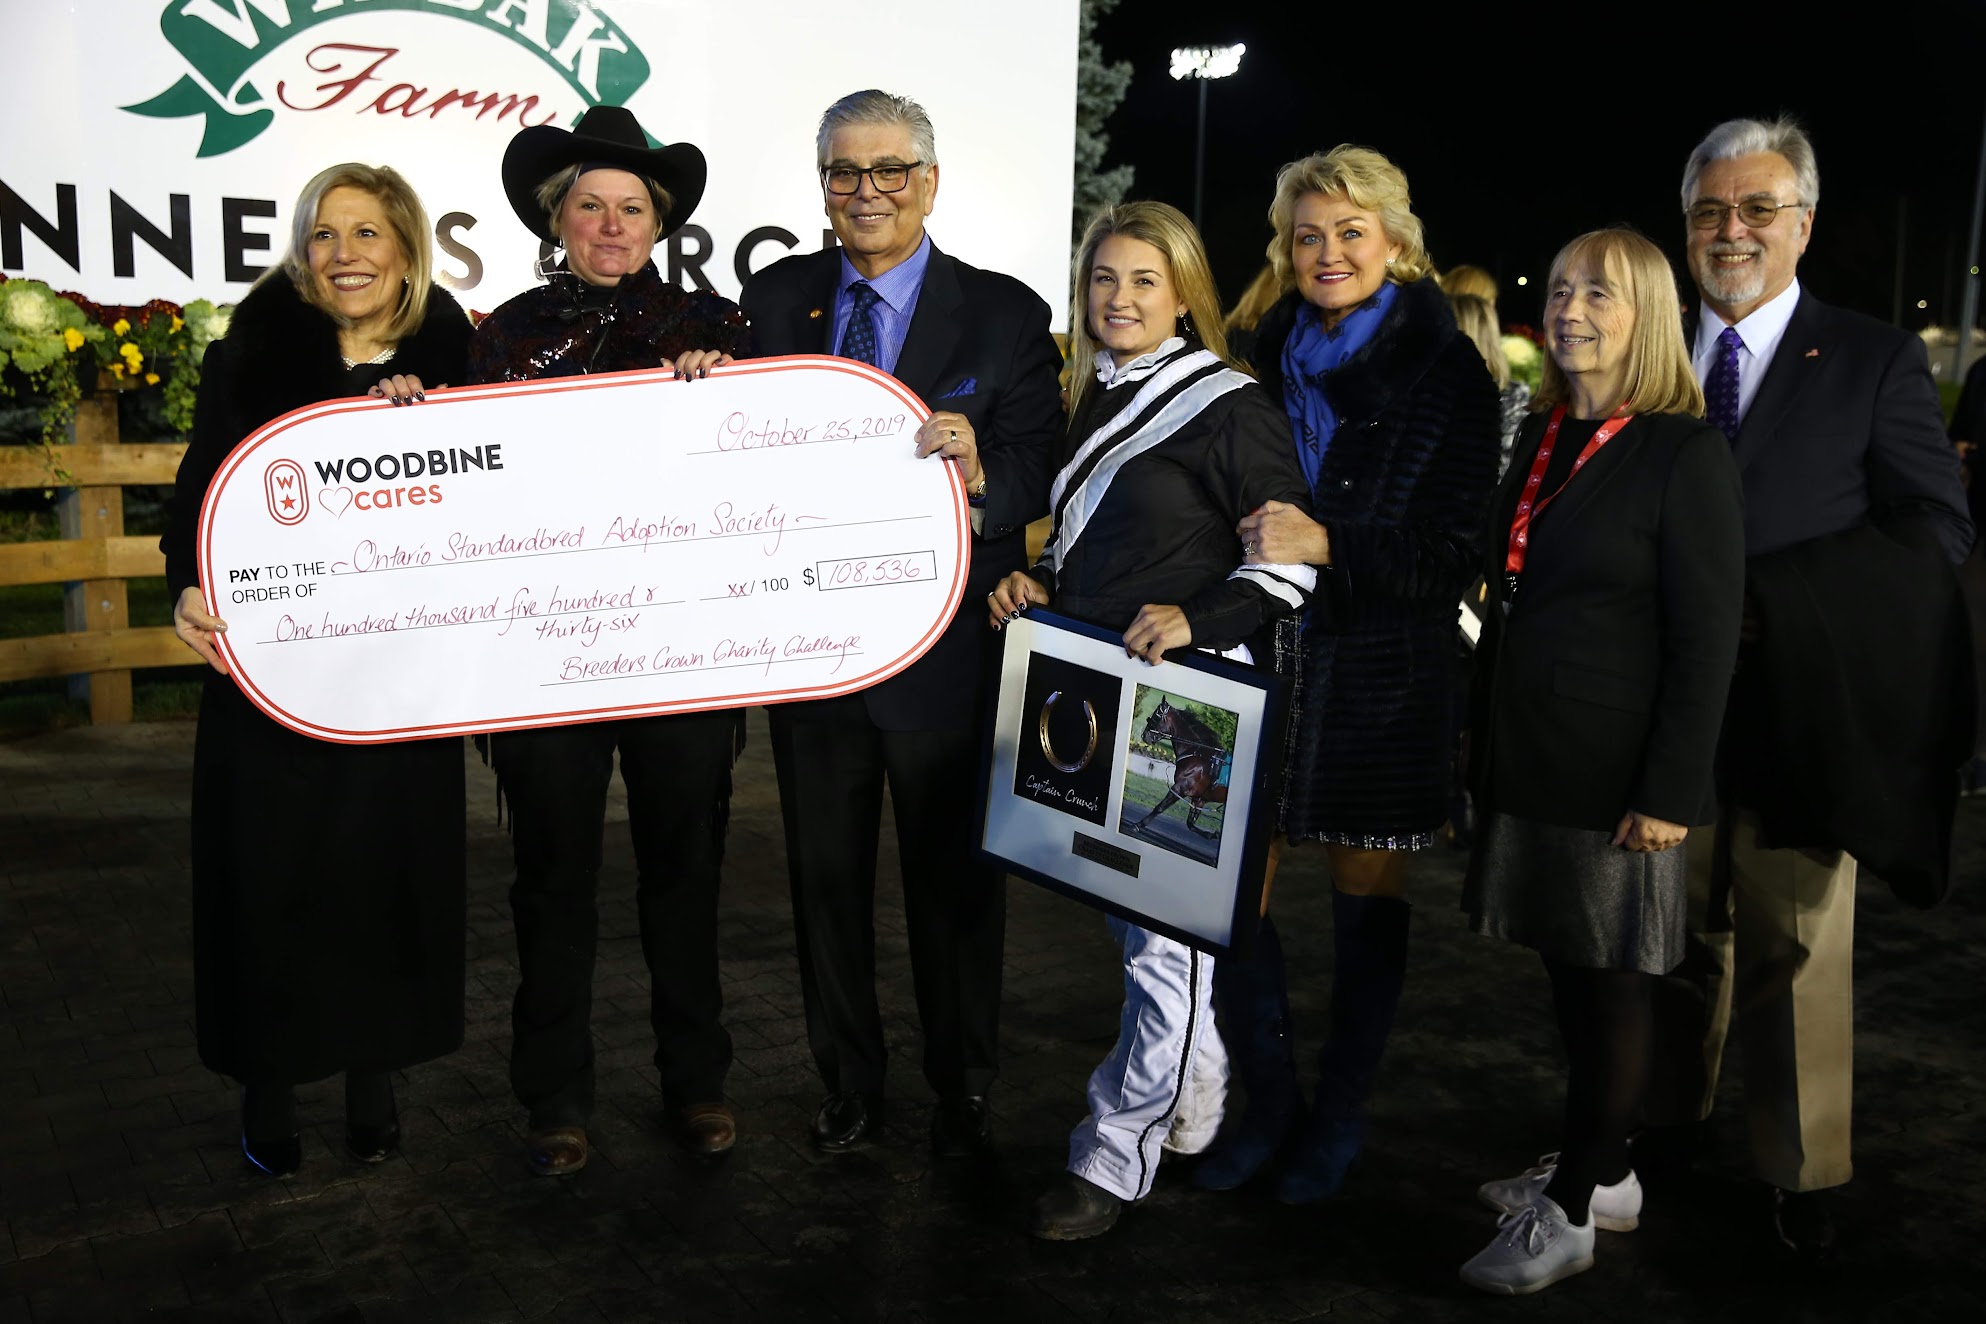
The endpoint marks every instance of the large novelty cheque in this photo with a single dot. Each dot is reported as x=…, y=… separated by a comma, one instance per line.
x=581, y=548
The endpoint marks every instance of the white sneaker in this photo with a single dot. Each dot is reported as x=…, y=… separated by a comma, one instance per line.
x=1616, y=1208
x=1533, y=1248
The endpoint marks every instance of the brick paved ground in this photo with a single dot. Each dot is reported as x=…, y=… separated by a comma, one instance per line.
x=123, y=1194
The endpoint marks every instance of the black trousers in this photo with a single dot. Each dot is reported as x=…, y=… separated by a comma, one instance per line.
x=832, y=762
x=677, y=770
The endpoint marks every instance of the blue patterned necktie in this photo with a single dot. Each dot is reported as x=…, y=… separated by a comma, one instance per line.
x=858, y=342
x=1720, y=388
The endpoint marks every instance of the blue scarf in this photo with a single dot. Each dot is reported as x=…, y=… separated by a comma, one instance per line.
x=1311, y=354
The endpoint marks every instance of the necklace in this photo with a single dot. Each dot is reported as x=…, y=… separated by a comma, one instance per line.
x=380, y=357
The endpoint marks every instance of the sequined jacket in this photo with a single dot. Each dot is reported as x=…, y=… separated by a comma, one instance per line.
x=566, y=327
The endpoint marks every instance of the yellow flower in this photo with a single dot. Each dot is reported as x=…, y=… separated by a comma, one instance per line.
x=72, y=338
x=177, y=323
x=119, y=327
x=117, y=369
x=151, y=379
x=132, y=355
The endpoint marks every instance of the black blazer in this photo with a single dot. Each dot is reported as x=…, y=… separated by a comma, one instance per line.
x=1602, y=691
x=1846, y=430
x=978, y=346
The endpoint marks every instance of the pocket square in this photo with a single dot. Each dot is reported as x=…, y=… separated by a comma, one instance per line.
x=966, y=387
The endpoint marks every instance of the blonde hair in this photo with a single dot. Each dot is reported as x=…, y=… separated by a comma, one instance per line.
x=1166, y=229
x=551, y=191
x=1470, y=280
x=1660, y=379
x=1371, y=183
x=404, y=216
x=1255, y=301
x=1476, y=316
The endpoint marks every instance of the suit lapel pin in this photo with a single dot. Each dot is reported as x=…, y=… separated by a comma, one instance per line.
x=813, y=313
x=1813, y=353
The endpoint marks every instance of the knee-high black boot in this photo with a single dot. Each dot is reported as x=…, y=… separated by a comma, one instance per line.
x=269, y=1137
x=372, y=1119
x=1252, y=1000
x=1371, y=948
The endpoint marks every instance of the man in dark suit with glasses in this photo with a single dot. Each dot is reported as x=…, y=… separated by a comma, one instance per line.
x=1852, y=500
x=975, y=347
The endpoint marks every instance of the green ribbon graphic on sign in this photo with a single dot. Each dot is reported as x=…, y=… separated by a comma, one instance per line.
x=222, y=40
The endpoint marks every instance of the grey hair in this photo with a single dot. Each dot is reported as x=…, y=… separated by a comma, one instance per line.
x=874, y=107
x=1735, y=138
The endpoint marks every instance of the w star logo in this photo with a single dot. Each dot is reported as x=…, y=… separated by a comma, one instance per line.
x=283, y=484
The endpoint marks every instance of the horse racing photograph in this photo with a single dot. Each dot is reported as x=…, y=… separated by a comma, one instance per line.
x=1176, y=769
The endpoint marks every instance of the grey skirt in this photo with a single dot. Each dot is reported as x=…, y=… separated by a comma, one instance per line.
x=1570, y=895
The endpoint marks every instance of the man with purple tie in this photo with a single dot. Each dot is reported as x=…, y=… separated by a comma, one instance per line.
x=1852, y=508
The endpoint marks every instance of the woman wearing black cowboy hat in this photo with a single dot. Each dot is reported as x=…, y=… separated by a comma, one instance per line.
x=605, y=196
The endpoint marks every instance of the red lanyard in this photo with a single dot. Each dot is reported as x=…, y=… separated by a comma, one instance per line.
x=1531, y=505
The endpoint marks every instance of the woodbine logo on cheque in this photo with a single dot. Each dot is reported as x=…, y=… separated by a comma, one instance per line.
x=373, y=483
x=222, y=41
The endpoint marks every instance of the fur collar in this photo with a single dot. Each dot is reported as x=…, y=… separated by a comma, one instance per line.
x=1407, y=344
x=286, y=351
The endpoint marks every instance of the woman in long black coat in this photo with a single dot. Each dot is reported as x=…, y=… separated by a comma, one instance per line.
x=329, y=881
x=1395, y=420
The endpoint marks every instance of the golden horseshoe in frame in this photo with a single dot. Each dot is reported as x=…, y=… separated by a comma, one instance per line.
x=1048, y=747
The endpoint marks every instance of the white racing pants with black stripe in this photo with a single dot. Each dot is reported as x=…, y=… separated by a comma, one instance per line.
x=1165, y=1081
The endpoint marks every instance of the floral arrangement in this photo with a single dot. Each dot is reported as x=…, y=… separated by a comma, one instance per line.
x=1524, y=349
x=54, y=342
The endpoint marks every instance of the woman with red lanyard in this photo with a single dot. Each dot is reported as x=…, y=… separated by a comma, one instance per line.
x=1617, y=556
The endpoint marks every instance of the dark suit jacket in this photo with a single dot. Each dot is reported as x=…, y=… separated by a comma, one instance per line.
x=1859, y=685
x=979, y=346
x=1603, y=689
x=1846, y=433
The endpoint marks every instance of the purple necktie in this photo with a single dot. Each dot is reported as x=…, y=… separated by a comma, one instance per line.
x=1720, y=388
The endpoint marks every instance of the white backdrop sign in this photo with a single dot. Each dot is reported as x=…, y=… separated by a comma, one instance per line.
x=154, y=147
x=582, y=547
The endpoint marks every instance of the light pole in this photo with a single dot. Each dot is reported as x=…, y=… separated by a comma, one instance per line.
x=1970, y=304
x=1203, y=63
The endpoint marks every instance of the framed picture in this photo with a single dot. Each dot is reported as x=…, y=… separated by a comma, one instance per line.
x=1146, y=791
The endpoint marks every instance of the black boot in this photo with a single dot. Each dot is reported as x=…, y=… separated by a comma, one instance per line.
x=269, y=1137
x=1371, y=949
x=1073, y=1209
x=1252, y=999
x=372, y=1119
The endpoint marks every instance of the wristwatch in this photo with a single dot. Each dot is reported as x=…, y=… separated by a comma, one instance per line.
x=976, y=494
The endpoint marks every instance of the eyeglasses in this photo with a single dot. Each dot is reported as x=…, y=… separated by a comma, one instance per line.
x=887, y=178
x=1756, y=213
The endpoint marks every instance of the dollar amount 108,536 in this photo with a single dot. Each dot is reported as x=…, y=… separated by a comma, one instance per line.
x=873, y=571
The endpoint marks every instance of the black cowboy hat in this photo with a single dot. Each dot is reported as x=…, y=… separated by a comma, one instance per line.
x=605, y=135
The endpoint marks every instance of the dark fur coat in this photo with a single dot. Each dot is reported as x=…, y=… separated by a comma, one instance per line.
x=1404, y=493
x=279, y=354
x=329, y=881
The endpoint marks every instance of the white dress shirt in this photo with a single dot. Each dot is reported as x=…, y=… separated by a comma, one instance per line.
x=1761, y=332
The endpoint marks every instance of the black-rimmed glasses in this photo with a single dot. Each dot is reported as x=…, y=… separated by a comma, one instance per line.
x=887, y=178
x=1756, y=213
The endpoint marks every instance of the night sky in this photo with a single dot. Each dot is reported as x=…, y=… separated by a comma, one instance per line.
x=1518, y=135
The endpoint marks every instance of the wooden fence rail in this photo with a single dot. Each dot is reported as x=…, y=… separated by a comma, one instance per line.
x=93, y=557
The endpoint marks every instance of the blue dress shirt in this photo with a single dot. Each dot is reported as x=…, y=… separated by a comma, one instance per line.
x=897, y=289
